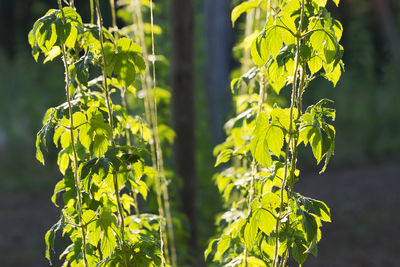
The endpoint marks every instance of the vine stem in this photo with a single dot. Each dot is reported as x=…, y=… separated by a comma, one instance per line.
x=160, y=163
x=123, y=96
x=146, y=83
x=290, y=138
x=261, y=100
x=294, y=151
x=111, y=122
x=77, y=180
x=156, y=151
x=71, y=126
x=113, y=18
x=91, y=12
x=128, y=142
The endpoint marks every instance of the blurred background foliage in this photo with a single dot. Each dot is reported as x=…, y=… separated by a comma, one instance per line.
x=367, y=97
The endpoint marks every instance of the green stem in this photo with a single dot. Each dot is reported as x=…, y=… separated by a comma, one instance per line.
x=155, y=144
x=301, y=89
x=160, y=164
x=128, y=142
x=146, y=83
x=253, y=163
x=71, y=126
x=77, y=180
x=290, y=137
x=91, y=12
x=114, y=19
x=111, y=123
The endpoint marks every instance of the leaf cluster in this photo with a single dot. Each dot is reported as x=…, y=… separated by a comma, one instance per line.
x=266, y=220
x=102, y=175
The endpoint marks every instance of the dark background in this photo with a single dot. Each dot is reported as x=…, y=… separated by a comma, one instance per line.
x=361, y=183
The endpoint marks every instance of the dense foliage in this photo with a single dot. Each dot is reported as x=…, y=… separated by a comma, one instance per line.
x=107, y=156
x=266, y=220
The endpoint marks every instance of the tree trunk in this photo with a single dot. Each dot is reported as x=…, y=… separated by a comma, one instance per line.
x=218, y=49
x=183, y=112
x=7, y=31
x=385, y=15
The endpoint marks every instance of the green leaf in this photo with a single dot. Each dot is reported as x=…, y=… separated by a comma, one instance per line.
x=315, y=64
x=338, y=29
x=107, y=242
x=209, y=248
x=222, y=246
x=259, y=145
x=142, y=188
x=316, y=144
x=51, y=235
x=298, y=253
x=33, y=43
x=46, y=36
x=71, y=39
x=63, y=159
x=87, y=167
x=309, y=225
x=317, y=40
x=60, y=187
x=266, y=137
x=85, y=136
x=52, y=54
x=259, y=50
x=321, y=210
x=82, y=66
x=94, y=234
x=39, y=154
x=126, y=45
x=336, y=2
x=125, y=70
x=275, y=139
x=266, y=222
x=100, y=145
x=277, y=76
x=305, y=52
x=334, y=75
x=88, y=216
x=224, y=156
x=66, y=139
x=281, y=117
x=251, y=230
x=321, y=3
x=274, y=41
x=330, y=50
x=42, y=134
x=241, y=8
x=255, y=262
x=270, y=201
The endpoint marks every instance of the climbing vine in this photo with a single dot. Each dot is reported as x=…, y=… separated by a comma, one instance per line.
x=109, y=157
x=103, y=156
x=267, y=220
x=131, y=13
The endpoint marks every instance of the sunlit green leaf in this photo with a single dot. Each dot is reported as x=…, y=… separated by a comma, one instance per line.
x=274, y=41
x=224, y=156
x=251, y=230
x=321, y=3
x=223, y=245
x=241, y=8
x=266, y=221
x=259, y=50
